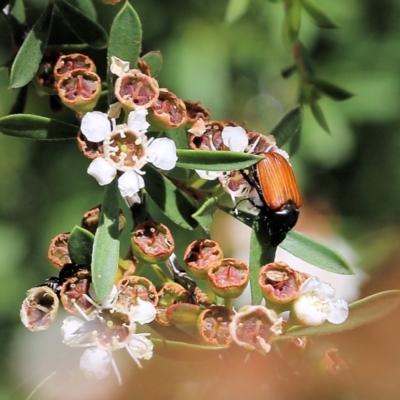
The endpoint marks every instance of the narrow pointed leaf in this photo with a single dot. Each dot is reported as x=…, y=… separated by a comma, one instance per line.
x=331, y=90
x=261, y=253
x=288, y=126
x=169, y=199
x=204, y=215
x=80, y=246
x=154, y=60
x=125, y=40
x=315, y=253
x=31, y=52
x=215, y=160
x=38, y=128
x=235, y=10
x=106, y=244
x=319, y=116
x=85, y=28
x=361, y=312
x=87, y=8
x=320, y=17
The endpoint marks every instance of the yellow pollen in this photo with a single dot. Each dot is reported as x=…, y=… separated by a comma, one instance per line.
x=110, y=324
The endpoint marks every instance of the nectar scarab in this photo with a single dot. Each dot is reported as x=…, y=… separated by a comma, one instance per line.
x=276, y=185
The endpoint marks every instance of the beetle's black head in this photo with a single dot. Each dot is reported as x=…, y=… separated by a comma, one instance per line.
x=279, y=222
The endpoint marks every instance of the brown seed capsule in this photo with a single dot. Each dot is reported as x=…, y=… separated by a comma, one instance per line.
x=133, y=287
x=90, y=219
x=70, y=62
x=201, y=255
x=169, y=112
x=213, y=325
x=79, y=89
x=253, y=327
x=135, y=89
x=229, y=278
x=152, y=242
x=58, y=253
x=279, y=283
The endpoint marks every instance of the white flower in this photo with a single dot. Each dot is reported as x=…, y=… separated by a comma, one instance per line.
x=316, y=304
x=118, y=66
x=126, y=148
x=108, y=328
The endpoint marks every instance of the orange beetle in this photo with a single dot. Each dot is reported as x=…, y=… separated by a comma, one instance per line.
x=274, y=180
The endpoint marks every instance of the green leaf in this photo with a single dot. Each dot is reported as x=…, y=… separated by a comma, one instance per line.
x=204, y=215
x=85, y=28
x=295, y=143
x=86, y=7
x=125, y=40
x=80, y=246
x=235, y=10
x=106, y=244
x=315, y=253
x=209, y=160
x=169, y=199
x=361, y=312
x=331, y=90
x=154, y=60
x=39, y=128
x=30, y=53
x=319, y=16
x=17, y=13
x=185, y=351
x=288, y=126
x=291, y=23
x=261, y=253
x=319, y=116
x=179, y=136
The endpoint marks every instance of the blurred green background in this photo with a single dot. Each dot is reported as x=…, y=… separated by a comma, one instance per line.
x=233, y=69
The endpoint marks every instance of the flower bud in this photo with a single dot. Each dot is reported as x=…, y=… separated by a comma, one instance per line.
x=79, y=89
x=75, y=293
x=169, y=112
x=229, y=278
x=58, y=253
x=279, y=283
x=201, y=255
x=213, y=325
x=152, y=242
x=182, y=313
x=170, y=293
x=132, y=288
x=254, y=327
x=70, y=62
x=39, y=308
x=134, y=89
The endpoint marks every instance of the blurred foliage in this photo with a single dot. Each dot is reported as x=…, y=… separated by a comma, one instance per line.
x=235, y=70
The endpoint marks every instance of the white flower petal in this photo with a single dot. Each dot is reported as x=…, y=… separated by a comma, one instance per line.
x=130, y=183
x=339, y=312
x=69, y=327
x=118, y=66
x=307, y=311
x=140, y=347
x=96, y=126
x=102, y=170
x=95, y=363
x=162, y=153
x=235, y=137
x=321, y=289
x=208, y=175
x=143, y=313
x=110, y=299
x=283, y=153
x=137, y=120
